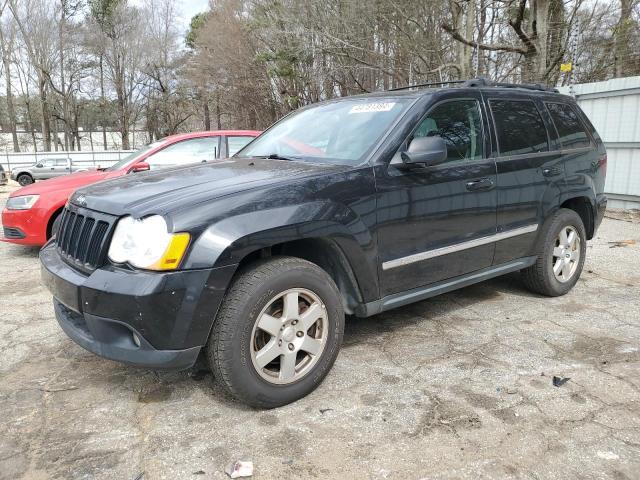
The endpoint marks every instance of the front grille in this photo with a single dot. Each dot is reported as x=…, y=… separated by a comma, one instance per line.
x=83, y=237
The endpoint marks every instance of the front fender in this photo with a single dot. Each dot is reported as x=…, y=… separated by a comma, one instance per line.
x=229, y=240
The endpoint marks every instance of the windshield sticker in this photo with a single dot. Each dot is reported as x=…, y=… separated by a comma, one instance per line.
x=372, y=107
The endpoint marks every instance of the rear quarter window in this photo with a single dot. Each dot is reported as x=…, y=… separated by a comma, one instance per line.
x=571, y=131
x=519, y=127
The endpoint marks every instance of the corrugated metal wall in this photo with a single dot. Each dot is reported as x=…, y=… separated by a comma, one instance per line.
x=614, y=109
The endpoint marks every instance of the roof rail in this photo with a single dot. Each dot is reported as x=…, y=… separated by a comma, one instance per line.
x=425, y=85
x=484, y=82
x=481, y=82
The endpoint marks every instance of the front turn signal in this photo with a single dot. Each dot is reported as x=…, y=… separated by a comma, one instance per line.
x=174, y=253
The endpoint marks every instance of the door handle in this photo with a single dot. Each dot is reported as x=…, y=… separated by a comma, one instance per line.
x=481, y=184
x=551, y=172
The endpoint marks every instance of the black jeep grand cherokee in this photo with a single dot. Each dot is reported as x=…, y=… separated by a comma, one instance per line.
x=351, y=206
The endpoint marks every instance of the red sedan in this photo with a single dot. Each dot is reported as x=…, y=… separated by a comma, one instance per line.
x=31, y=213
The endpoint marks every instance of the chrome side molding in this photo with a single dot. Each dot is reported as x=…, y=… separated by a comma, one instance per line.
x=437, y=252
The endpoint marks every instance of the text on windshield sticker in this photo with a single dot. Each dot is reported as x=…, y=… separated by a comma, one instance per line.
x=372, y=107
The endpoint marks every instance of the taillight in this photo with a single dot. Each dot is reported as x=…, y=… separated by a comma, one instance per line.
x=602, y=163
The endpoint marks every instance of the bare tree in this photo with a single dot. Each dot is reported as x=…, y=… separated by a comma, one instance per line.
x=7, y=43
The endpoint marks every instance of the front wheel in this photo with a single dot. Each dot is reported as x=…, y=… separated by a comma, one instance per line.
x=24, y=179
x=277, y=333
x=561, y=251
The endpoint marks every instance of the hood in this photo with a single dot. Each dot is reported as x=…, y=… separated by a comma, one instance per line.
x=172, y=189
x=66, y=182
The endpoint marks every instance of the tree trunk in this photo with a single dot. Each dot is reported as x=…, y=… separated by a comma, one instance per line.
x=123, y=117
x=218, y=113
x=480, y=68
x=207, y=115
x=541, y=17
x=622, y=39
x=65, y=108
x=11, y=112
x=470, y=21
x=46, y=131
x=30, y=122
x=54, y=124
x=103, y=104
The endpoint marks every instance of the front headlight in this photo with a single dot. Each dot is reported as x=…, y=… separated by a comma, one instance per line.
x=22, y=202
x=147, y=244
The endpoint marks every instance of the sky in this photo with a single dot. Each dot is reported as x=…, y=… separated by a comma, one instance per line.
x=188, y=8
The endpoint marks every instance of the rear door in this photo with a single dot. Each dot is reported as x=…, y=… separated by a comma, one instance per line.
x=529, y=168
x=62, y=166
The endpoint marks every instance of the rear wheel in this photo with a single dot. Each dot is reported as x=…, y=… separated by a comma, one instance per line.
x=561, y=253
x=277, y=333
x=25, y=179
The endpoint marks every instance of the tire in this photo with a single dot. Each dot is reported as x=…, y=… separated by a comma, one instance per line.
x=55, y=225
x=24, y=179
x=540, y=277
x=237, y=342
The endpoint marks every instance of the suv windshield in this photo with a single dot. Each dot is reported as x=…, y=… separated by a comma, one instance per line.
x=341, y=132
x=133, y=155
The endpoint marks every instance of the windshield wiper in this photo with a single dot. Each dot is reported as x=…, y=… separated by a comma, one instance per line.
x=276, y=156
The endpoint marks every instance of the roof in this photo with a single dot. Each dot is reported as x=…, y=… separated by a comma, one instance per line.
x=415, y=91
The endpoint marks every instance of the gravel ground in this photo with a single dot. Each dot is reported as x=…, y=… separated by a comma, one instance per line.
x=459, y=386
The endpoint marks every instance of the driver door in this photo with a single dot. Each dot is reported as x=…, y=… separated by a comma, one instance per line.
x=45, y=170
x=431, y=218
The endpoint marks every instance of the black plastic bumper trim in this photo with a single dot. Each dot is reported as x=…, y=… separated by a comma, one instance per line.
x=116, y=342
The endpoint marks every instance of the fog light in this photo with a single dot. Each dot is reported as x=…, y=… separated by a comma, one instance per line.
x=136, y=340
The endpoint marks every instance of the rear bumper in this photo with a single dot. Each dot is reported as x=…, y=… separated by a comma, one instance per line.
x=148, y=319
x=601, y=206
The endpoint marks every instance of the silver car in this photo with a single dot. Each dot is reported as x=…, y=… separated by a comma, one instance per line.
x=3, y=176
x=44, y=169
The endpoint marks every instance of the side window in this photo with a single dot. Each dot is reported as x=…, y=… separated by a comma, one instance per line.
x=236, y=143
x=519, y=127
x=194, y=150
x=61, y=162
x=49, y=162
x=570, y=130
x=458, y=123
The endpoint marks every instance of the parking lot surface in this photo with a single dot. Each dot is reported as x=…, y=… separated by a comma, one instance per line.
x=459, y=386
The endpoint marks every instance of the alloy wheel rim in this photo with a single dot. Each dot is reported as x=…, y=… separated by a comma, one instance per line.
x=566, y=254
x=289, y=336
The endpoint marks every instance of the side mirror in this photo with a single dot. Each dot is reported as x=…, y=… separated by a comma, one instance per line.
x=426, y=150
x=140, y=167
x=39, y=165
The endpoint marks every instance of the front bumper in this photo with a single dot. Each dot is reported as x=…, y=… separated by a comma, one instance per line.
x=148, y=319
x=117, y=341
x=32, y=225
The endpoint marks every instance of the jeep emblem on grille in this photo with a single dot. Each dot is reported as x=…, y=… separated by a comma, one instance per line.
x=81, y=200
